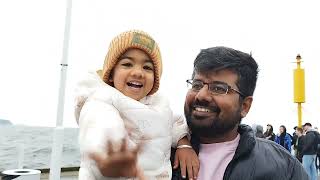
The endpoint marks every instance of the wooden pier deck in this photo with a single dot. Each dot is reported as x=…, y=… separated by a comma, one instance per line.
x=70, y=173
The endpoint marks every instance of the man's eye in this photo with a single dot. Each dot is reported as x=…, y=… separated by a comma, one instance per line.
x=197, y=86
x=218, y=89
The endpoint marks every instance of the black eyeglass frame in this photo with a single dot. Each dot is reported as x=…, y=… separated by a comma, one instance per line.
x=190, y=81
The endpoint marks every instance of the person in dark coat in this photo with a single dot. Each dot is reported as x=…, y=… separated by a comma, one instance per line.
x=269, y=133
x=309, y=151
x=299, y=143
x=259, y=131
x=220, y=95
x=294, y=136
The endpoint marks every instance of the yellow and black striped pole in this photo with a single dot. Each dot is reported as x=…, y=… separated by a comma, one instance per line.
x=299, y=88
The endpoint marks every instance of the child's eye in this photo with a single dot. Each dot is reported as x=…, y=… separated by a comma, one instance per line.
x=126, y=64
x=148, y=68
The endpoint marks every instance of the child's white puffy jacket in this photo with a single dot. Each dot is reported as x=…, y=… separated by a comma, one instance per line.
x=103, y=113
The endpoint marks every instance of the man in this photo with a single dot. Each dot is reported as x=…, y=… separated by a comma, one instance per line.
x=220, y=95
x=258, y=130
x=309, y=151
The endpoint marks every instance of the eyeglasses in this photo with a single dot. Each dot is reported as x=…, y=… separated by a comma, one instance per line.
x=216, y=88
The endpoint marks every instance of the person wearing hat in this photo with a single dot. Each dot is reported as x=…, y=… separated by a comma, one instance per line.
x=126, y=127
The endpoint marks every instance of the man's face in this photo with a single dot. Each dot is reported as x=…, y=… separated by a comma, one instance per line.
x=211, y=115
x=298, y=133
x=281, y=130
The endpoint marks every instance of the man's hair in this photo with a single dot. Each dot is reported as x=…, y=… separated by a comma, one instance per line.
x=220, y=58
x=307, y=124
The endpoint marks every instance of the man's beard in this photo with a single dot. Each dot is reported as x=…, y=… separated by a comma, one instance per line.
x=218, y=127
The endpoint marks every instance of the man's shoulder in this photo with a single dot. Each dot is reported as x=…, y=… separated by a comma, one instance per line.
x=273, y=155
x=269, y=147
x=311, y=134
x=264, y=143
x=269, y=160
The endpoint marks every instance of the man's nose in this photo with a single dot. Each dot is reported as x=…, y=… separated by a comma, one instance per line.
x=204, y=94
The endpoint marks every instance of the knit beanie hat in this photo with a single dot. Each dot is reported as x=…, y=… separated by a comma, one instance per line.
x=132, y=39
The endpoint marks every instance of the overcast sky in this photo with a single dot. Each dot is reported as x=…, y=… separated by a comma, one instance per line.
x=31, y=39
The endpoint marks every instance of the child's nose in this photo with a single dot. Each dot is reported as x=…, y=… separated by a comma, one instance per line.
x=137, y=72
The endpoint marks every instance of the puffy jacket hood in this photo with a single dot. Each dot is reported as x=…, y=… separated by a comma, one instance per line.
x=84, y=89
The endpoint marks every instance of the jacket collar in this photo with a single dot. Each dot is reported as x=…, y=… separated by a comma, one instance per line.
x=246, y=143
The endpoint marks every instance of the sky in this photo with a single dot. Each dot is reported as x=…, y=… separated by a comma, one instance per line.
x=32, y=32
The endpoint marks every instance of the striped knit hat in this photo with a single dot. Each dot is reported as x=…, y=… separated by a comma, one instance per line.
x=132, y=39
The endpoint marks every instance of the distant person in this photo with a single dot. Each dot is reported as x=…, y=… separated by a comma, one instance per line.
x=259, y=131
x=318, y=154
x=299, y=143
x=119, y=108
x=269, y=133
x=309, y=151
x=283, y=138
x=294, y=137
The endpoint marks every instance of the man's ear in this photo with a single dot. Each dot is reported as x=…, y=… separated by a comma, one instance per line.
x=246, y=105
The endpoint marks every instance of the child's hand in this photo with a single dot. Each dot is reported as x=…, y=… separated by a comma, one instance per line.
x=119, y=164
x=188, y=159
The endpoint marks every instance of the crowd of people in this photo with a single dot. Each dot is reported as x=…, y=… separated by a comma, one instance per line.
x=302, y=143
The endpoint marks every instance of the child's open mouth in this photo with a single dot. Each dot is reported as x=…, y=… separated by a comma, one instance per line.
x=135, y=84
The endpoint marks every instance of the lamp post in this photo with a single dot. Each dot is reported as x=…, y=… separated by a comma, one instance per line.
x=299, y=88
x=58, y=133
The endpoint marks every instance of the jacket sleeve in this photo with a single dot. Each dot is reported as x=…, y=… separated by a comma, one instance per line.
x=300, y=143
x=179, y=129
x=288, y=142
x=99, y=122
x=277, y=139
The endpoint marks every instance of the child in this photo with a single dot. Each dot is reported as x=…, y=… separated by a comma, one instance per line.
x=124, y=92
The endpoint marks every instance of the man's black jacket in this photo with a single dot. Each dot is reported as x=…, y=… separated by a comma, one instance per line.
x=257, y=159
x=309, y=147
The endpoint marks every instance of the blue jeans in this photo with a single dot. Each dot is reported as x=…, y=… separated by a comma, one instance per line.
x=309, y=164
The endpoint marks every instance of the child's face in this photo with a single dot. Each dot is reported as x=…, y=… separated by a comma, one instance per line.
x=133, y=75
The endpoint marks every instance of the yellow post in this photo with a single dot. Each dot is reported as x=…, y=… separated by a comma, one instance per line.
x=299, y=115
x=299, y=88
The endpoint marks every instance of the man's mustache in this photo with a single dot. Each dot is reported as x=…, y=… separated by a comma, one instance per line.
x=206, y=106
